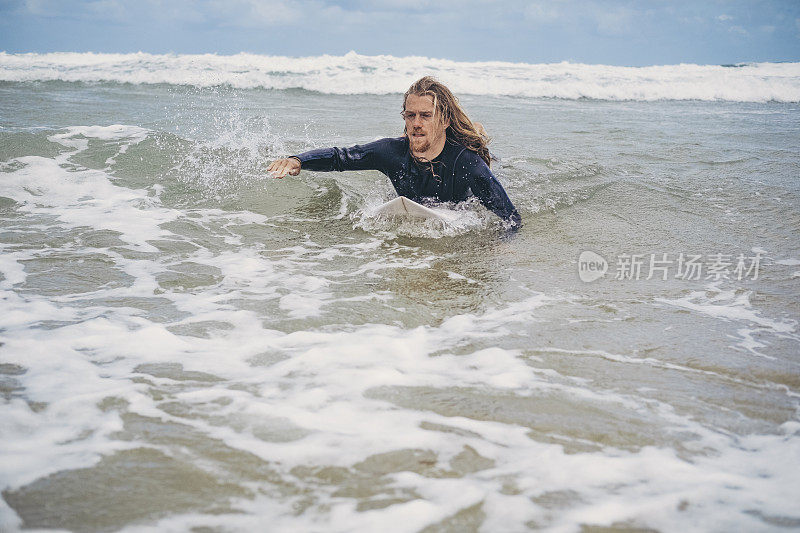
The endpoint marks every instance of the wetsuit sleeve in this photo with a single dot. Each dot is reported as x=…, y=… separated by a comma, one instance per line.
x=486, y=187
x=360, y=157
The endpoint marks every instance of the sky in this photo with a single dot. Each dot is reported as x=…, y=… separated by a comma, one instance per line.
x=612, y=32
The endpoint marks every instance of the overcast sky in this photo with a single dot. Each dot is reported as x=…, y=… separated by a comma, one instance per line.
x=615, y=32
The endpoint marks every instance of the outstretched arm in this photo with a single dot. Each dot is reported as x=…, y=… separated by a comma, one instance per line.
x=359, y=157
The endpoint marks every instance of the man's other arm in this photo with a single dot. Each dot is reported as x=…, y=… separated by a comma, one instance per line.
x=487, y=188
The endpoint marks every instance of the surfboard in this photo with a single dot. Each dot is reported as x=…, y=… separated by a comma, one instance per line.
x=402, y=206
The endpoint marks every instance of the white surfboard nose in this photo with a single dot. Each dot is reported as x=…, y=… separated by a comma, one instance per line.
x=402, y=206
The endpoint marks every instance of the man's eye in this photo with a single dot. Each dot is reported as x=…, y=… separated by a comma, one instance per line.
x=426, y=116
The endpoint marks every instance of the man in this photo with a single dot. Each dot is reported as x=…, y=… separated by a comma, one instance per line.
x=442, y=155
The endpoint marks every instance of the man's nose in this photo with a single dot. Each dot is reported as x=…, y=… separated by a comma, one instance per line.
x=417, y=121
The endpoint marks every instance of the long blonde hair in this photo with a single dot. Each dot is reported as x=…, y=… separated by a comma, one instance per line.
x=447, y=108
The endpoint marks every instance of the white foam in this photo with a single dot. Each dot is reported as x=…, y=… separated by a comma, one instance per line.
x=13, y=272
x=114, y=132
x=456, y=275
x=86, y=197
x=327, y=392
x=728, y=305
x=359, y=74
x=322, y=390
x=9, y=521
x=734, y=306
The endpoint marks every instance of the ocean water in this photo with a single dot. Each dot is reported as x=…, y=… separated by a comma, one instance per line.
x=189, y=345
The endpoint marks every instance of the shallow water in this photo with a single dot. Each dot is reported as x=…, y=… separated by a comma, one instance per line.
x=187, y=343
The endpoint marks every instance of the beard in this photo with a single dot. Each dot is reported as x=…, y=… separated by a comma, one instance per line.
x=419, y=144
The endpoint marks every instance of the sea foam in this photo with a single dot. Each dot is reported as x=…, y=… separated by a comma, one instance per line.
x=353, y=73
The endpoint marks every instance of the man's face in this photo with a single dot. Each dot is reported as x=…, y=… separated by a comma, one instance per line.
x=423, y=127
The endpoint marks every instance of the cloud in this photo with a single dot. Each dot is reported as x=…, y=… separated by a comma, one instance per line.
x=174, y=10
x=542, y=12
x=610, y=18
x=108, y=9
x=616, y=31
x=618, y=21
x=47, y=8
x=395, y=5
x=121, y=11
x=250, y=13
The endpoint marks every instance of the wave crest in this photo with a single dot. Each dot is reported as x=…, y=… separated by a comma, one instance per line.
x=353, y=73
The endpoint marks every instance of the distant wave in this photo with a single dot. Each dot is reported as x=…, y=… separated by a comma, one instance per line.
x=359, y=74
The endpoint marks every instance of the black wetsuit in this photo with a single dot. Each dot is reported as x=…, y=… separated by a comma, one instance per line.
x=453, y=176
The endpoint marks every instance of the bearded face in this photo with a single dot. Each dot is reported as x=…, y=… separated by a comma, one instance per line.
x=425, y=130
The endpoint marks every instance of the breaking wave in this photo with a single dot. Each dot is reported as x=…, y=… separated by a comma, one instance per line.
x=353, y=73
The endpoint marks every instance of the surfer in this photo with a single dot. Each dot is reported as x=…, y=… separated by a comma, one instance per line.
x=441, y=156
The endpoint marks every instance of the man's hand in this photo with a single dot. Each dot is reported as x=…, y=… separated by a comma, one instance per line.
x=284, y=167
